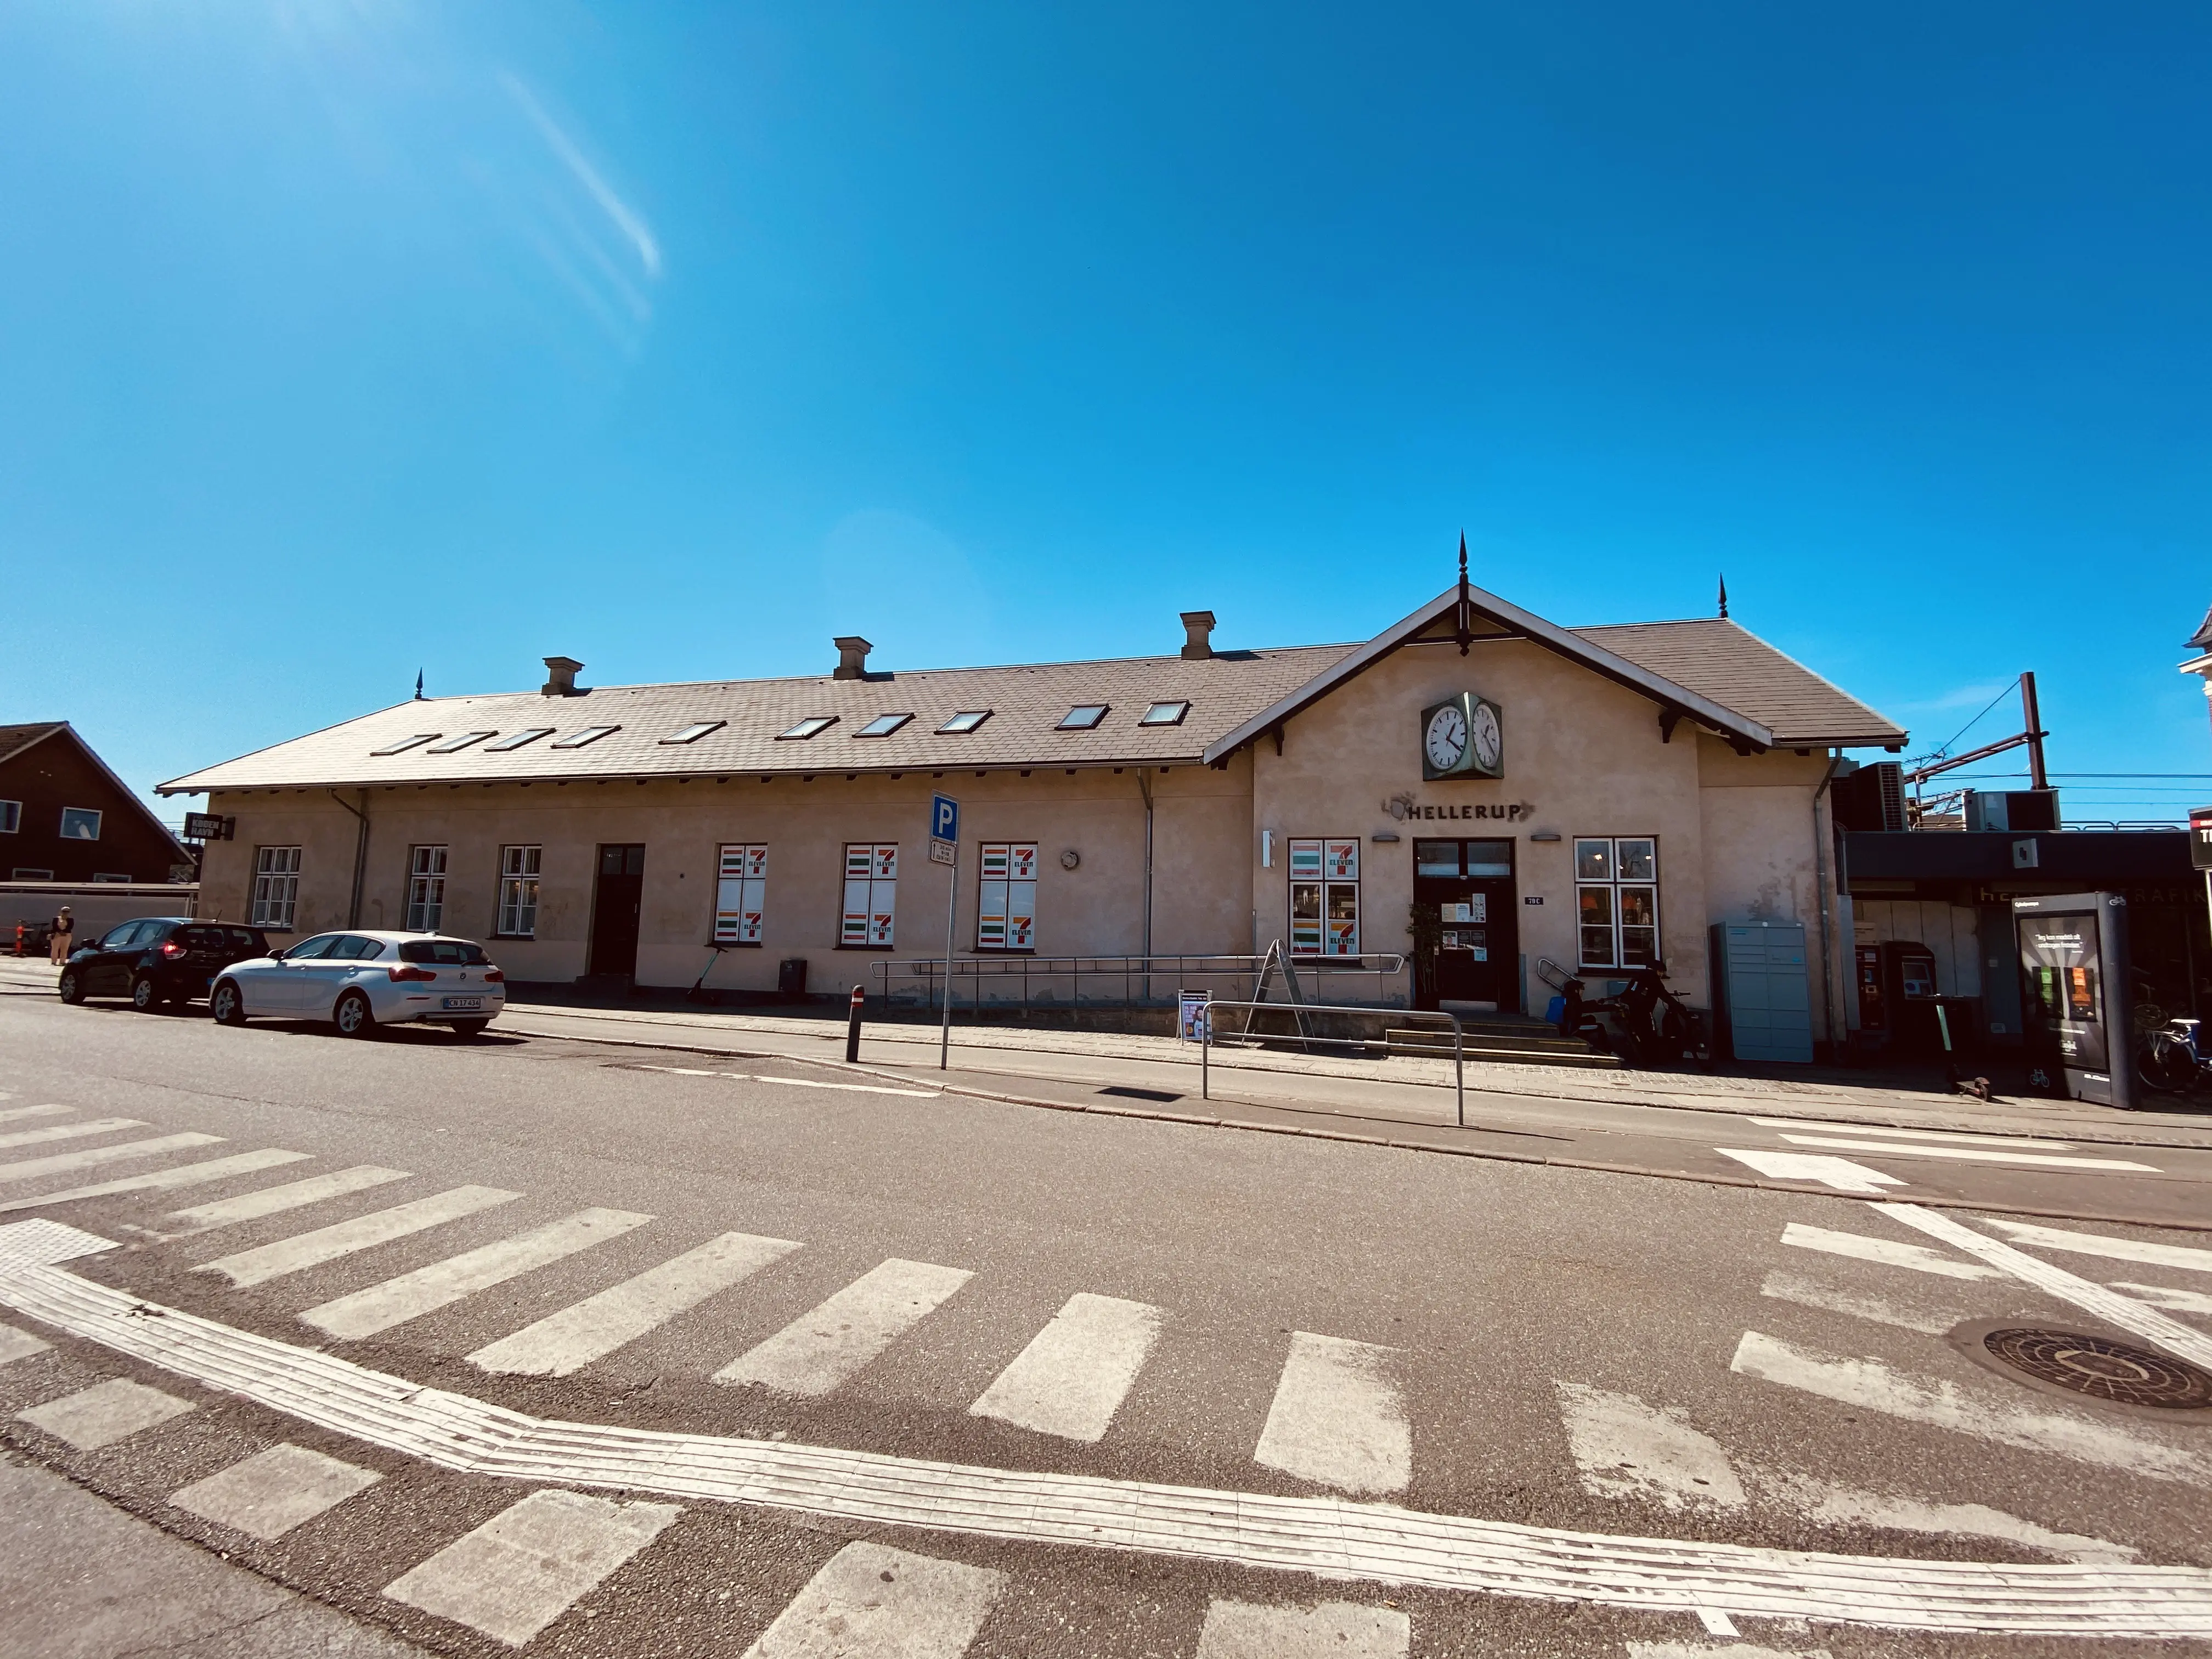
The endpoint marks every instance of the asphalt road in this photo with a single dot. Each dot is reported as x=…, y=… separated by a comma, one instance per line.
x=1076, y=1301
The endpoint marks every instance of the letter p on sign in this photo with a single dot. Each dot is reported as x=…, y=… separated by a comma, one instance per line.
x=944, y=818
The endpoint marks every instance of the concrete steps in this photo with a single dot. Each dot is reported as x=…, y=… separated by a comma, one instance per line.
x=1502, y=1038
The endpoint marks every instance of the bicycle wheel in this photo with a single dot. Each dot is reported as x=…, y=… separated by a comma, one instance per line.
x=2166, y=1065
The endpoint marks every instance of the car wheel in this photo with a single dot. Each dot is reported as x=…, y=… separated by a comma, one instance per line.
x=146, y=996
x=352, y=1016
x=470, y=1028
x=71, y=985
x=227, y=1006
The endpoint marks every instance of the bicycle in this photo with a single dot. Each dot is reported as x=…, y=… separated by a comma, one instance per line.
x=2169, y=1060
x=1656, y=1027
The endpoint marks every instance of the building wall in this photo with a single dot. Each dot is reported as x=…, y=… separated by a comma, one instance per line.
x=56, y=772
x=1951, y=933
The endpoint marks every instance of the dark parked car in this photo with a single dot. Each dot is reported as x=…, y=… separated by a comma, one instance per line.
x=158, y=962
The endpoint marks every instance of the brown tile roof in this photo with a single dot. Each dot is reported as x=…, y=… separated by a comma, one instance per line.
x=14, y=739
x=1027, y=703
x=1717, y=659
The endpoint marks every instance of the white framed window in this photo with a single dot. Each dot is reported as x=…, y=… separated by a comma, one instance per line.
x=964, y=722
x=80, y=824
x=883, y=725
x=590, y=734
x=518, y=892
x=1617, y=900
x=1325, y=896
x=1084, y=717
x=517, y=739
x=1005, y=905
x=806, y=728
x=454, y=745
x=425, y=889
x=23, y=874
x=111, y=875
x=11, y=817
x=275, y=887
x=1164, y=714
x=871, y=895
x=693, y=732
x=741, y=893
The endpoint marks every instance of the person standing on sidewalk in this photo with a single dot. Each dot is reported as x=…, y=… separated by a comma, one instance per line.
x=63, y=939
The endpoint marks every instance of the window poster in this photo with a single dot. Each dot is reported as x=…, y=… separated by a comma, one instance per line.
x=741, y=894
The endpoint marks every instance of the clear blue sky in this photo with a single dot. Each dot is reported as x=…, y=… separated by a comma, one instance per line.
x=340, y=339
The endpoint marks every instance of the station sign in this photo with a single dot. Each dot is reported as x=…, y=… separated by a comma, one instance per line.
x=208, y=826
x=2200, y=836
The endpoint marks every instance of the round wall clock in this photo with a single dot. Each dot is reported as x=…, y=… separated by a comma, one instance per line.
x=1445, y=743
x=1489, y=741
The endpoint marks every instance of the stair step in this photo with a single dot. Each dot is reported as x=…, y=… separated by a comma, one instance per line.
x=1584, y=1057
x=1550, y=1042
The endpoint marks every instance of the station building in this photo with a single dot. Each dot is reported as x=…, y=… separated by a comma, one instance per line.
x=1588, y=799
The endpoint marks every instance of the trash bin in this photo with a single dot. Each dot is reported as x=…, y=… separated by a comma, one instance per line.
x=791, y=977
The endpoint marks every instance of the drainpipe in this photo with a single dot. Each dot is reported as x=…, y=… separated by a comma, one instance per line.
x=1145, y=784
x=1821, y=905
x=359, y=853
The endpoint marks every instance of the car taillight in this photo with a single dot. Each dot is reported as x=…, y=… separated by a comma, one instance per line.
x=172, y=951
x=495, y=977
x=411, y=974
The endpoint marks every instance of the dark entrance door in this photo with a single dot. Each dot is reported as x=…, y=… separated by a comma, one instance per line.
x=615, y=907
x=1469, y=885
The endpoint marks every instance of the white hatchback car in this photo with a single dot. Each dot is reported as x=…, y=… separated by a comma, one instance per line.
x=361, y=981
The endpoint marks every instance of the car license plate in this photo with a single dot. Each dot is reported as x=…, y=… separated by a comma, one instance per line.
x=463, y=1002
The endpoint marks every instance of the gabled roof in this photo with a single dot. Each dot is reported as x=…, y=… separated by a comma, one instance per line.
x=15, y=739
x=1733, y=667
x=1026, y=702
x=2201, y=639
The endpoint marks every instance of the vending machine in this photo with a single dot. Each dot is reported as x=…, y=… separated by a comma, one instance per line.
x=2074, y=974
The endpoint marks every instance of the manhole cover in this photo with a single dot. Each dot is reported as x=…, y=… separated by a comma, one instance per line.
x=2104, y=1370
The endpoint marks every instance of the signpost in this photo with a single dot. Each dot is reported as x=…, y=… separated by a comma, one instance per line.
x=945, y=849
x=208, y=826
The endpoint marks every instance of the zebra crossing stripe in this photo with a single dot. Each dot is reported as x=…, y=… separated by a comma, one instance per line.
x=292, y=1195
x=526, y=1566
x=98, y=1126
x=1890, y=1252
x=570, y=1340
x=871, y=1602
x=821, y=1348
x=1338, y=1418
x=1973, y=1155
x=302, y=1250
x=181, y=1175
x=1073, y=1377
x=396, y=1301
x=104, y=1412
x=1627, y=1449
x=49, y=1109
x=1383, y=1543
x=92, y=1156
x=2119, y=1250
x=1335, y=1629
x=274, y=1491
x=19, y=1345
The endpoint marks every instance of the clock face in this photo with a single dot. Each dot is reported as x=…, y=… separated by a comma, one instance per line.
x=1489, y=742
x=1446, y=738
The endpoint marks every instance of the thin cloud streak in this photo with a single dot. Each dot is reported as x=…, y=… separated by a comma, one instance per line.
x=626, y=220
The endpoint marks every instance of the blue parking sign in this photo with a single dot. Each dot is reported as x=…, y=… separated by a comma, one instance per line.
x=944, y=818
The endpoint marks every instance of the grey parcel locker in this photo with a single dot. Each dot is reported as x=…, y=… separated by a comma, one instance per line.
x=1762, y=998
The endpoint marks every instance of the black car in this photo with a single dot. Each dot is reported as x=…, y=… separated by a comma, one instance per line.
x=158, y=962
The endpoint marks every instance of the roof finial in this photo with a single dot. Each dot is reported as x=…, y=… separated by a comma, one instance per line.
x=1466, y=628
x=418, y=685
x=1724, y=595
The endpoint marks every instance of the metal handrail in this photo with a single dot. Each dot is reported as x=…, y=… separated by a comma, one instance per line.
x=1131, y=970
x=1205, y=1040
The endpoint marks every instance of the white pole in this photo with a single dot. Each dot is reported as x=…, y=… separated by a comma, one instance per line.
x=951, y=908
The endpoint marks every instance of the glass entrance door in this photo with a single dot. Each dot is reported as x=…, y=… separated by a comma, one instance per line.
x=614, y=905
x=1467, y=886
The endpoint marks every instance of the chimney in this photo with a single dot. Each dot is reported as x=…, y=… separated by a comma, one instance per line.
x=561, y=677
x=852, y=658
x=1199, y=625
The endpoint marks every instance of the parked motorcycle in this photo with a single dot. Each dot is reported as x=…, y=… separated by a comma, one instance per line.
x=1647, y=1024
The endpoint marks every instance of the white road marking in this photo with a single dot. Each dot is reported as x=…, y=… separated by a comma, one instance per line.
x=181, y=1175
x=274, y=1491
x=1844, y=1506
x=275, y=1200
x=104, y=1412
x=289, y=1256
x=1707, y=1651
x=1716, y=1623
x=1782, y=1287
x=2119, y=1250
x=681, y=1071
x=2038, y=1160
x=821, y=1348
x=92, y=1156
x=2165, y=1296
x=1838, y=1172
x=2126, y=1312
x=1380, y=1543
x=1814, y=1126
x=1890, y=1252
x=856, y=1088
x=1339, y=1417
x=572, y=1339
x=526, y=1566
x=19, y=1345
x=1071, y=1377
x=379, y=1307
x=1335, y=1629
x=1626, y=1448
x=98, y=1126
x=871, y=1602
x=1871, y=1386
x=47, y=1110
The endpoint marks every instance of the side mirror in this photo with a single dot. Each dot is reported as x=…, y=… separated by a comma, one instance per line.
x=276, y=955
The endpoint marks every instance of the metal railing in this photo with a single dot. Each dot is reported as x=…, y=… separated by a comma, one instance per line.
x=1032, y=983
x=1248, y=1034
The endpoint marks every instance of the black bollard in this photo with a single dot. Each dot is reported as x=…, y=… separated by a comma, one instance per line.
x=853, y=1029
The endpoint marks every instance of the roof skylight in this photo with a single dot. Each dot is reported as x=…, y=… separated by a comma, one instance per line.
x=454, y=745
x=515, y=740
x=883, y=725
x=405, y=744
x=807, y=728
x=1082, y=717
x=589, y=734
x=1165, y=713
x=966, y=721
x=696, y=730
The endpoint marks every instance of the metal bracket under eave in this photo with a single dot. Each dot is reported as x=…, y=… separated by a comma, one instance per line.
x=1276, y=733
x=1668, y=720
